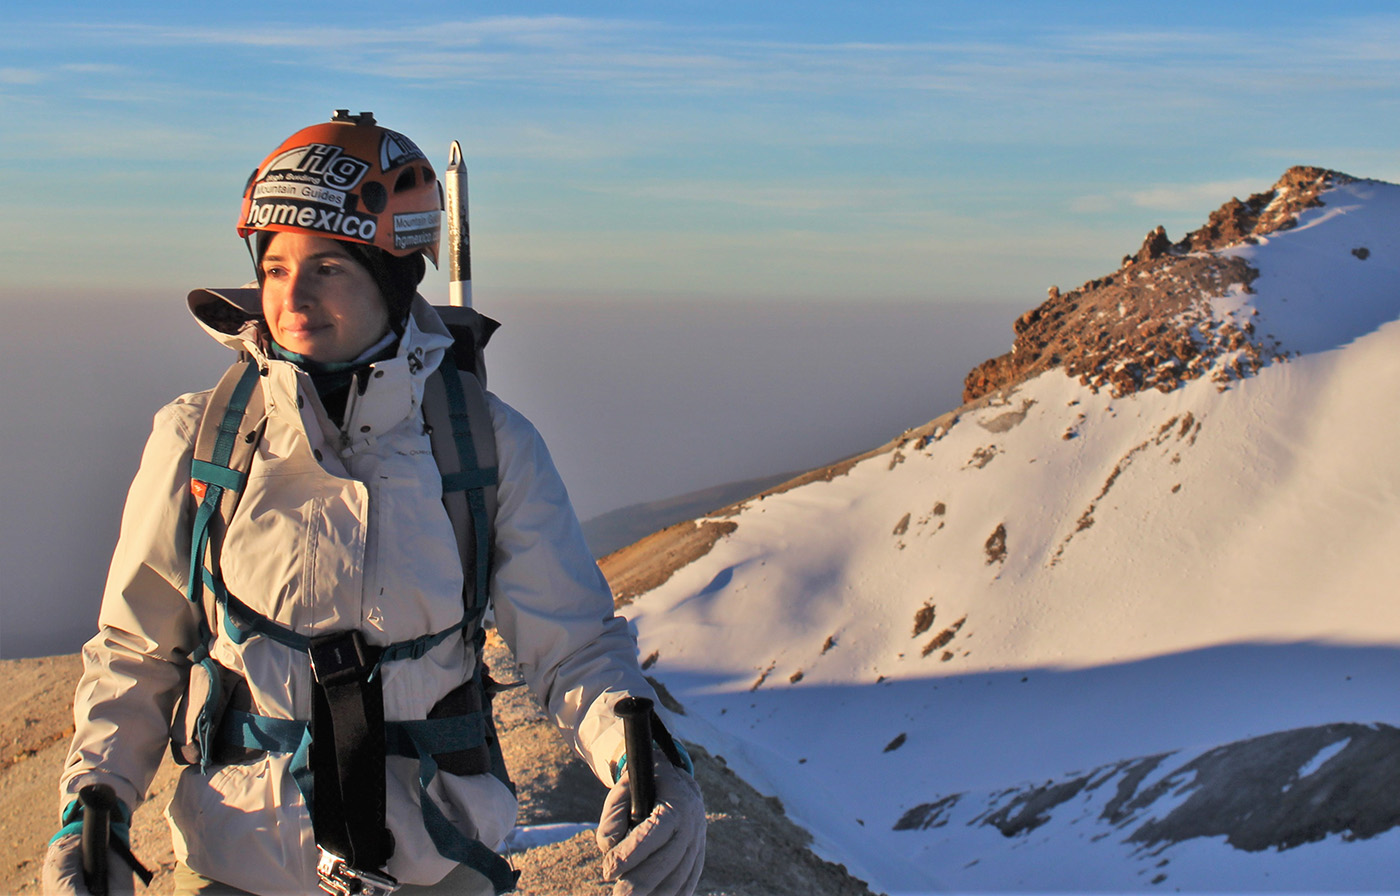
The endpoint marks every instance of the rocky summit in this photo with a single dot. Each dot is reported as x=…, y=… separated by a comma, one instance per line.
x=1150, y=324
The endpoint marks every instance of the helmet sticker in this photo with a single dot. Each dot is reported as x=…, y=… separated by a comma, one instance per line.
x=395, y=149
x=319, y=163
x=307, y=187
x=417, y=229
x=262, y=215
x=301, y=191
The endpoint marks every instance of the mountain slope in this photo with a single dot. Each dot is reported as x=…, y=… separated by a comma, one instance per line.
x=615, y=529
x=1163, y=527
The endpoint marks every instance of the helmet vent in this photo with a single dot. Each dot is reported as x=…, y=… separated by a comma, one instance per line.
x=375, y=197
x=407, y=180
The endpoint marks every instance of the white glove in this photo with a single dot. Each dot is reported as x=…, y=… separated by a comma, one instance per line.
x=662, y=856
x=63, y=869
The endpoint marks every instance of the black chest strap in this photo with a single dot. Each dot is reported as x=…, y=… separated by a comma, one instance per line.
x=347, y=751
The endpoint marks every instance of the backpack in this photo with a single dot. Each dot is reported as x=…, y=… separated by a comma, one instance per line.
x=215, y=721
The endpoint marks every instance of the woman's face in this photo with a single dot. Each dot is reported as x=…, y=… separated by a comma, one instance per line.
x=318, y=300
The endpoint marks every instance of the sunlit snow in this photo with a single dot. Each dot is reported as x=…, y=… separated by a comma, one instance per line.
x=1064, y=583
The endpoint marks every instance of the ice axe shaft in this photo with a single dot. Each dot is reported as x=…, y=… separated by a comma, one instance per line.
x=459, y=252
x=641, y=769
x=98, y=803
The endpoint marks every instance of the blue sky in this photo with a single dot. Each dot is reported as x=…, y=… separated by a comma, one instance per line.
x=692, y=217
x=670, y=151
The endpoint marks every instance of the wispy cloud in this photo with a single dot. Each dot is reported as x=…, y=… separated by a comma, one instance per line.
x=768, y=196
x=95, y=68
x=20, y=76
x=1188, y=64
x=1189, y=197
x=1174, y=198
x=538, y=33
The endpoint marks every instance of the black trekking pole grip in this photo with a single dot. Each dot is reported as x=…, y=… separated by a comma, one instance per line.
x=641, y=778
x=98, y=803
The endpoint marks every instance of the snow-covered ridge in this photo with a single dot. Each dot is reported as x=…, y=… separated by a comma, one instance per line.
x=1167, y=315
x=1069, y=575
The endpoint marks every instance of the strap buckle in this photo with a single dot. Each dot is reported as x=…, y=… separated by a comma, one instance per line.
x=338, y=657
x=337, y=878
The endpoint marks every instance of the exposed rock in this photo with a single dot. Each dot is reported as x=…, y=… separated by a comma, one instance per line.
x=923, y=619
x=1155, y=246
x=1228, y=224
x=1148, y=325
x=995, y=547
x=1264, y=793
x=944, y=638
x=1272, y=792
x=1264, y=213
x=1125, y=334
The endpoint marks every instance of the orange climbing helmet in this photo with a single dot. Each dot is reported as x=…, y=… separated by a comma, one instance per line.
x=348, y=179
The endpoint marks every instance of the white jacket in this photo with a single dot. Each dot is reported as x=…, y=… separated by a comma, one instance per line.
x=333, y=532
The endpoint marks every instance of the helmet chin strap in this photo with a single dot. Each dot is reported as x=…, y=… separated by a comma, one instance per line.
x=253, y=254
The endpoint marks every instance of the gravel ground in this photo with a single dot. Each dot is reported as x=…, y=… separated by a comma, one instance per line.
x=753, y=850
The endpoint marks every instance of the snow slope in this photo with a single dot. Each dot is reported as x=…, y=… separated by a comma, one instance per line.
x=1070, y=641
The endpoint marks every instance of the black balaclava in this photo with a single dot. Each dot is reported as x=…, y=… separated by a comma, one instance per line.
x=397, y=278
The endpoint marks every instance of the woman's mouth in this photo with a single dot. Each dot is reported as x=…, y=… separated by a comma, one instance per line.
x=303, y=330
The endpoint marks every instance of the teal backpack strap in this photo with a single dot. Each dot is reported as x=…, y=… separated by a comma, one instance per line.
x=464, y=445
x=423, y=740
x=463, y=440
x=223, y=454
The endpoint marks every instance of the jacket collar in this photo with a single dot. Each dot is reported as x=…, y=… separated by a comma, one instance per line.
x=393, y=392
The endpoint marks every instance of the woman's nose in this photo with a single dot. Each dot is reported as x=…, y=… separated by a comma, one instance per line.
x=299, y=292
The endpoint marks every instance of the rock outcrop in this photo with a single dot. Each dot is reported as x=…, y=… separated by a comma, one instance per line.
x=1149, y=324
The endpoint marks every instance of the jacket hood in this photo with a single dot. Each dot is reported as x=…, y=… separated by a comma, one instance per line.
x=233, y=317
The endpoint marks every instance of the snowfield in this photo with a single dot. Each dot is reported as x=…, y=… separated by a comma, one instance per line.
x=1070, y=641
